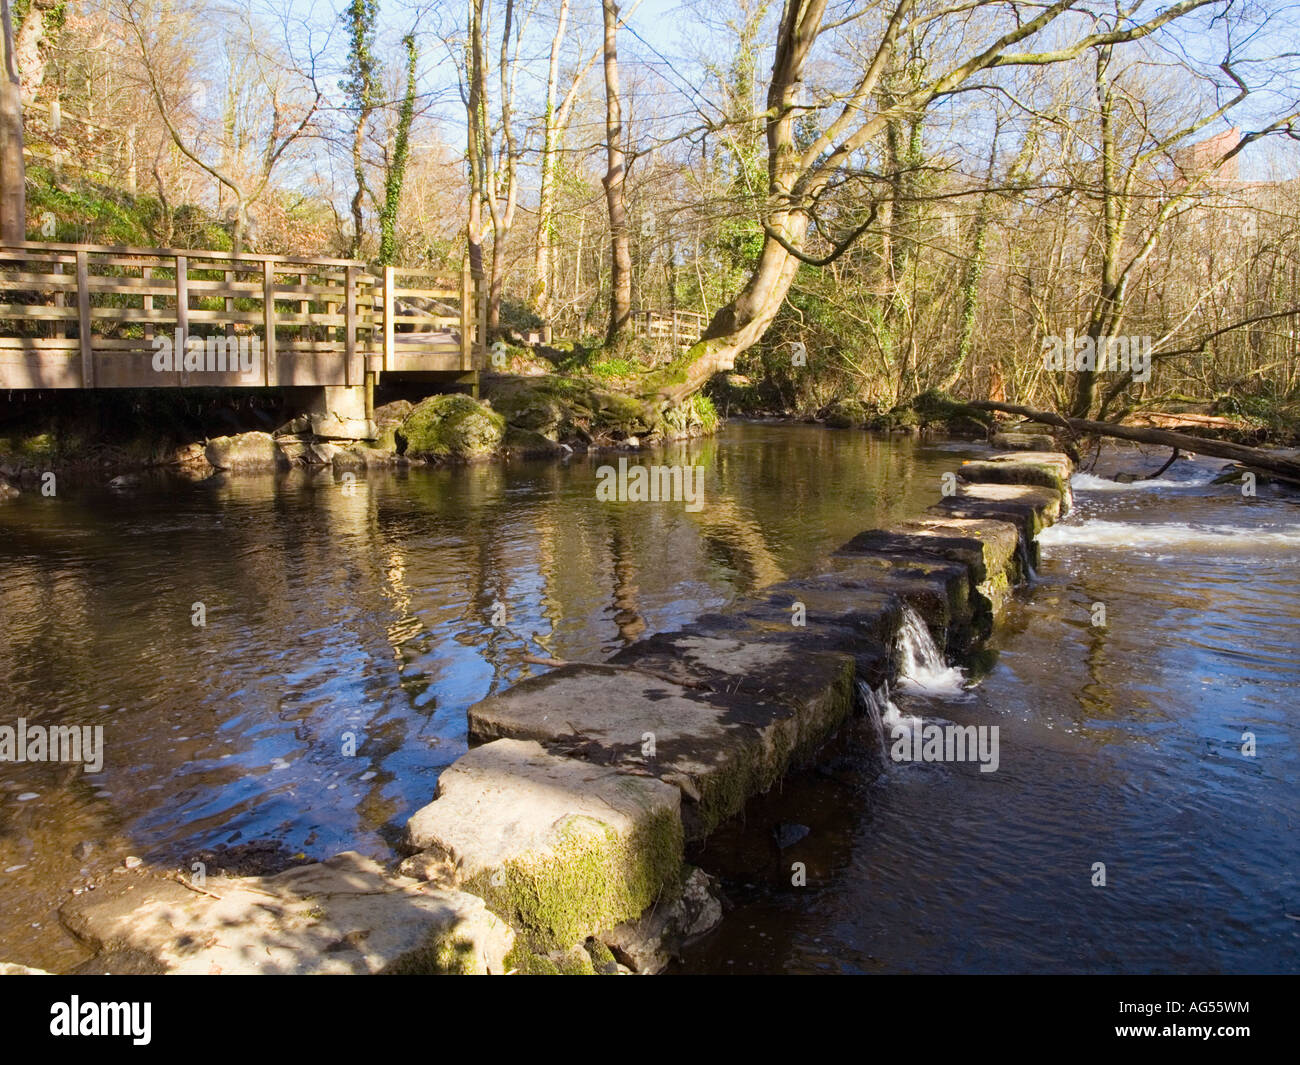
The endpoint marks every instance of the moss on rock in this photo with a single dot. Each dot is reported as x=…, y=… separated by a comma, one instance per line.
x=847, y=414
x=939, y=408
x=589, y=882
x=452, y=426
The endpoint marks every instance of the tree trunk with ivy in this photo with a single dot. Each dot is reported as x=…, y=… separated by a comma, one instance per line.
x=396, y=176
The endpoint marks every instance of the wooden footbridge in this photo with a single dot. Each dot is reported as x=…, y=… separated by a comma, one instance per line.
x=95, y=316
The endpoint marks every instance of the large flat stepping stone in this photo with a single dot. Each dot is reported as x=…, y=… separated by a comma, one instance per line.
x=562, y=848
x=1031, y=509
x=939, y=590
x=767, y=623
x=743, y=664
x=343, y=915
x=720, y=747
x=856, y=610
x=989, y=549
x=870, y=612
x=1021, y=441
x=1046, y=469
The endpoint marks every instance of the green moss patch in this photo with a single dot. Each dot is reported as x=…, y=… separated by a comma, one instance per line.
x=451, y=427
x=592, y=880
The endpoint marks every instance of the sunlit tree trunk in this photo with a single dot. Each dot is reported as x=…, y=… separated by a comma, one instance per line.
x=620, y=298
x=542, y=301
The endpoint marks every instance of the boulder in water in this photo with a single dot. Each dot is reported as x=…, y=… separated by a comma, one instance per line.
x=246, y=451
x=454, y=426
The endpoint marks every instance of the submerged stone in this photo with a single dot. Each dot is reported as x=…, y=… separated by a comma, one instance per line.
x=649, y=943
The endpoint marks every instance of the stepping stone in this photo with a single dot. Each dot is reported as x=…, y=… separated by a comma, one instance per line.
x=561, y=848
x=767, y=623
x=990, y=551
x=343, y=915
x=939, y=590
x=1014, y=441
x=1031, y=509
x=719, y=747
x=1044, y=469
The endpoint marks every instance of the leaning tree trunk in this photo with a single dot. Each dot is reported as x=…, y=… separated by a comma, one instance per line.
x=741, y=323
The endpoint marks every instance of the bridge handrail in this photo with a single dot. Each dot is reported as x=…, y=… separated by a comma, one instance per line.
x=366, y=306
x=171, y=253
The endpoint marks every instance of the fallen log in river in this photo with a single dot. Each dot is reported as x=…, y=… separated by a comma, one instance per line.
x=1258, y=458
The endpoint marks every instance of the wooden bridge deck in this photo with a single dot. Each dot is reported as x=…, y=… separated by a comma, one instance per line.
x=94, y=316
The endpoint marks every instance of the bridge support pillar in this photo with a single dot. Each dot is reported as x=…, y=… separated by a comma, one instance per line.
x=340, y=412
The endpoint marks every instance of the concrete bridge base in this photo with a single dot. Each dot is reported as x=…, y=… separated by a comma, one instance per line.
x=342, y=412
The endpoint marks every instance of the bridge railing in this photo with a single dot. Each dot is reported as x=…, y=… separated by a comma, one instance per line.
x=681, y=327
x=414, y=303
x=91, y=316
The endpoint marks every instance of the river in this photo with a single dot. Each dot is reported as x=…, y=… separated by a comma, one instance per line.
x=373, y=615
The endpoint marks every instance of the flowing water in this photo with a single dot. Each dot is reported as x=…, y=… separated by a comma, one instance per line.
x=921, y=666
x=368, y=615
x=1158, y=736
x=371, y=614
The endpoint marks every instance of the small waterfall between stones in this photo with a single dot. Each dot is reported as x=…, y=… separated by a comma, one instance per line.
x=880, y=710
x=921, y=666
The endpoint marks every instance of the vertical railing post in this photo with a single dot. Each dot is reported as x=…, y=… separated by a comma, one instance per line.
x=350, y=326
x=304, y=331
x=390, y=326
x=146, y=273
x=466, y=316
x=182, y=314
x=61, y=299
x=83, y=318
x=229, y=304
x=270, y=367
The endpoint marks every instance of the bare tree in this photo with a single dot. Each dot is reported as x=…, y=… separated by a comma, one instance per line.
x=280, y=90
x=801, y=173
x=620, y=299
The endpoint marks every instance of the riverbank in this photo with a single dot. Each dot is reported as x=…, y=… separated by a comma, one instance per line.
x=731, y=702
x=115, y=436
